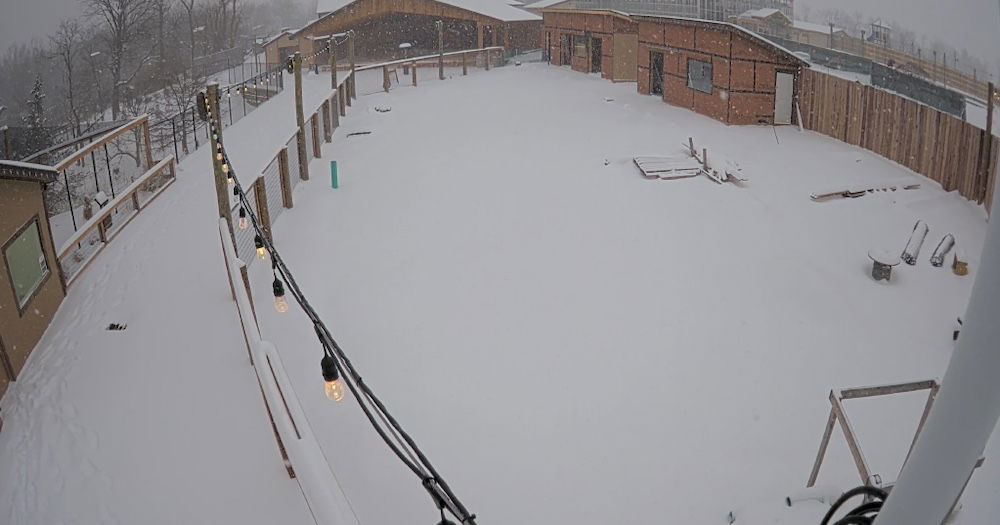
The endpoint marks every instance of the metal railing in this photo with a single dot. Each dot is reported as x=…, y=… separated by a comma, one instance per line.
x=93, y=235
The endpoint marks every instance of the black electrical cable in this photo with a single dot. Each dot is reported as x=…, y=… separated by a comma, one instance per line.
x=353, y=379
x=858, y=512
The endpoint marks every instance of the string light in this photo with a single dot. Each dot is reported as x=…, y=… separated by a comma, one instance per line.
x=338, y=371
x=332, y=385
x=279, y=295
x=258, y=243
x=243, y=218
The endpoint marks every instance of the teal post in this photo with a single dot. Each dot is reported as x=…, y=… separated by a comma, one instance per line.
x=333, y=174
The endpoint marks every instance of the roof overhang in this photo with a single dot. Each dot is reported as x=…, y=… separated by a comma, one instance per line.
x=26, y=171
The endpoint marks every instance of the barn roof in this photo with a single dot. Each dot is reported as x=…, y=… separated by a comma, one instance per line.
x=14, y=170
x=742, y=30
x=499, y=9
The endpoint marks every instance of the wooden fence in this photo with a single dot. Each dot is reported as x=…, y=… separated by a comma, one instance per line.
x=937, y=70
x=929, y=142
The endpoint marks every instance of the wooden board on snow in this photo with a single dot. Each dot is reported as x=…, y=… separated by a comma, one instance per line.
x=858, y=190
x=668, y=168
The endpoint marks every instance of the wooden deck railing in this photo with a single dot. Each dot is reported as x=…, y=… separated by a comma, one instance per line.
x=93, y=235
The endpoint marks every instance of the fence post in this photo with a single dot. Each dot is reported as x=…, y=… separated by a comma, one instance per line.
x=341, y=103
x=385, y=78
x=149, y=143
x=465, y=67
x=986, y=144
x=487, y=53
x=352, y=85
x=314, y=122
x=286, y=183
x=333, y=61
x=263, y=213
x=413, y=73
x=300, y=120
x=440, y=29
x=215, y=139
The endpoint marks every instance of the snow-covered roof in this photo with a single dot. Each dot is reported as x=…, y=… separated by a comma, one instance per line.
x=542, y=4
x=819, y=28
x=16, y=170
x=502, y=10
x=277, y=36
x=763, y=12
x=746, y=32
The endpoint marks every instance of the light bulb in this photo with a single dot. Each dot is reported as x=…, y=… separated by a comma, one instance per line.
x=231, y=180
x=334, y=390
x=333, y=387
x=279, y=295
x=280, y=304
x=259, y=244
x=244, y=223
x=225, y=168
x=218, y=156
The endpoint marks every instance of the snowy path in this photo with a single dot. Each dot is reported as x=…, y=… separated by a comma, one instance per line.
x=571, y=343
x=162, y=423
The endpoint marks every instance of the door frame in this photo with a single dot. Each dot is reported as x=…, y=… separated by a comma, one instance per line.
x=790, y=97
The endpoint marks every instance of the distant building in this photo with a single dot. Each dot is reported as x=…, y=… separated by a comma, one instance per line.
x=719, y=10
x=381, y=26
x=879, y=33
x=772, y=22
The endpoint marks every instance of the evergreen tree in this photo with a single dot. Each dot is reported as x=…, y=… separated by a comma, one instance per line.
x=37, y=136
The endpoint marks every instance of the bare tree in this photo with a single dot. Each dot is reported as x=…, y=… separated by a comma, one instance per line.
x=124, y=21
x=189, y=8
x=66, y=48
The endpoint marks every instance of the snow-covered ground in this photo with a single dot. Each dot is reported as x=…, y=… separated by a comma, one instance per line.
x=162, y=423
x=569, y=342
x=572, y=343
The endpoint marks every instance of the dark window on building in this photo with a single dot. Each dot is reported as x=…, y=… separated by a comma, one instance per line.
x=700, y=75
x=25, y=262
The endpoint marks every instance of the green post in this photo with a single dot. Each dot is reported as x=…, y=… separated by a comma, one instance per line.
x=333, y=175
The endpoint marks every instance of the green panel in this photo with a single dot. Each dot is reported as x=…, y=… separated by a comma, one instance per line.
x=26, y=262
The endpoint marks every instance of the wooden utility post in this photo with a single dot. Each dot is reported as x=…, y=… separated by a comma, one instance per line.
x=413, y=73
x=440, y=28
x=215, y=140
x=353, y=86
x=986, y=146
x=300, y=120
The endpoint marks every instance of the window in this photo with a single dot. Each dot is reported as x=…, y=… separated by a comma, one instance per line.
x=25, y=261
x=579, y=46
x=700, y=75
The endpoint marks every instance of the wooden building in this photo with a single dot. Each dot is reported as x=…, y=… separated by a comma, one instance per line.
x=604, y=42
x=717, y=69
x=771, y=22
x=381, y=26
x=31, y=286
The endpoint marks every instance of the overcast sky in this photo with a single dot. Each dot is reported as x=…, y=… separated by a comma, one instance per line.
x=969, y=24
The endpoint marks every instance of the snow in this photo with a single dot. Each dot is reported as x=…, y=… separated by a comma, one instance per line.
x=25, y=165
x=502, y=10
x=161, y=423
x=572, y=343
x=568, y=341
x=819, y=28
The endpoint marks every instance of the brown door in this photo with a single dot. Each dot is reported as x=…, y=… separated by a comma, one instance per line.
x=655, y=73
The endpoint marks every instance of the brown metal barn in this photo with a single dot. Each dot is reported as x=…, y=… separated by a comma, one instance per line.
x=717, y=69
x=382, y=25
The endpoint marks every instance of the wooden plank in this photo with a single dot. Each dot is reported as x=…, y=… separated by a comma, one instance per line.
x=852, y=441
x=142, y=120
x=881, y=390
x=823, y=444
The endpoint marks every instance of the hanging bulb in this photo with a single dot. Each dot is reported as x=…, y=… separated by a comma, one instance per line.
x=225, y=167
x=218, y=156
x=261, y=250
x=243, y=218
x=279, y=296
x=333, y=387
